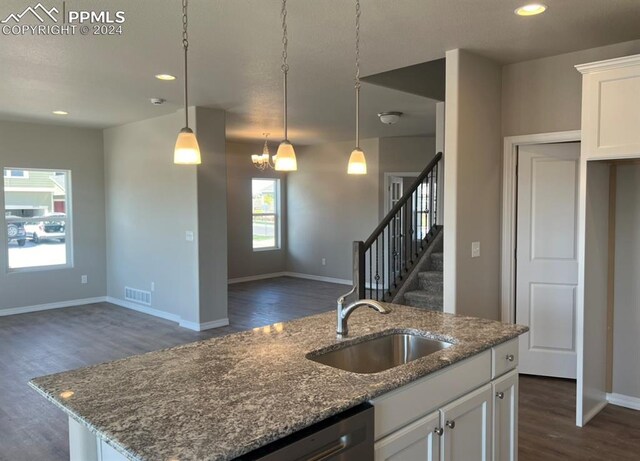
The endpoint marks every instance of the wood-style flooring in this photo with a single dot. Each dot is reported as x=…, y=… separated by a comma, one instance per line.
x=31, y=429
x=548, y=430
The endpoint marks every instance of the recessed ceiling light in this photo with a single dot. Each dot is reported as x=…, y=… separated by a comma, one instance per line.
x=165, y=77
x=60, y=112
x=531, y=10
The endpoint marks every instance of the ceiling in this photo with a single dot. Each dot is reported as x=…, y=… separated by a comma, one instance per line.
x=235, y=52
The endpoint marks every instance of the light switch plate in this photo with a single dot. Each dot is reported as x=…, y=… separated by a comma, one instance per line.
x=189, y=236
x=475, y=249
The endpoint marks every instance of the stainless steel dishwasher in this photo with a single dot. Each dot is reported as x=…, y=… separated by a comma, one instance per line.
x=347, y=436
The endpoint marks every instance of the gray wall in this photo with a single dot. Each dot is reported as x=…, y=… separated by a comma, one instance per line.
x=328, y=209
x=212, y=208
x=29, y=145
x=626, y=326
x=473, y=169
x=545, y=95
x=403, y=155
x=150, y=204
x=243, y=261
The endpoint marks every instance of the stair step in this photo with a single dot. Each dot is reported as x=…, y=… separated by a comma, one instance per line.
x=436, y=262
x=431, y=282
x=426, y=300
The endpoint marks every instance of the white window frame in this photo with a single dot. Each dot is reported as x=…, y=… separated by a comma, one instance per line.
x=7, y=173
x=68, y=224
x=277, y=214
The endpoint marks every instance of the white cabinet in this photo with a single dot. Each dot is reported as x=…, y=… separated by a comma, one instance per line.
x=465, y=412
x=417, y=441
x=505, y=417
x=467, y=427
x=611, y=108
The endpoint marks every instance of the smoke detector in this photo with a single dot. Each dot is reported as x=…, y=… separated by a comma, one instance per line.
x=157, y=101
x=390, y=118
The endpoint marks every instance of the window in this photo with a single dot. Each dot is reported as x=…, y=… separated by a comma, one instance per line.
x=266, y=213
x=37, y=217
x=9, y=173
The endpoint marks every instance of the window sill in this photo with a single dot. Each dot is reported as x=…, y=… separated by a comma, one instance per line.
x=259, y=250
x=22, y=270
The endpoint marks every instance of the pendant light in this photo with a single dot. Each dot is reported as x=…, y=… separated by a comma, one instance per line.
x=357, y=162
x=286, y=155
x=187, y=150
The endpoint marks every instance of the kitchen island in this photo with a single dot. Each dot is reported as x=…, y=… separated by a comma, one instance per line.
x=221, y=398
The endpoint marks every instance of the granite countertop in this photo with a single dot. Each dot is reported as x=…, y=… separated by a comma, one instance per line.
x=223, y=397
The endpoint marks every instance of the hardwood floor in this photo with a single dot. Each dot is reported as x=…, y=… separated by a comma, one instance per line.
x=548, y=431
x=31, y=429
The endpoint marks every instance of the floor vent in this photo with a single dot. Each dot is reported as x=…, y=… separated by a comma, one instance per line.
x=137, y=296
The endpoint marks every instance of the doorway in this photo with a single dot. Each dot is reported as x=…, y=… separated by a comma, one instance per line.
x=539, y=249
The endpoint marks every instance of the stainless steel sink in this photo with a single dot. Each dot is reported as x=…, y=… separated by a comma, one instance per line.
x=380, y=353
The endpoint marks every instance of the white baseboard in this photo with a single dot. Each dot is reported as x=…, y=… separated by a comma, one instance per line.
x=318, y=278
x=204, y=326
x=299, y=275
x=168, y=316
x=251, y=278
x=626, y=401
x=46, y=307
x=144, y=309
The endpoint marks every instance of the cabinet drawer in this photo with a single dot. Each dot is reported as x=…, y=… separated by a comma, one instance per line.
x=408, y=403
x=504, y=358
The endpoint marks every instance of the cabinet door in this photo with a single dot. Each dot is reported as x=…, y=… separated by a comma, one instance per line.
x=611, y=109
x=467, y=427
x=419, y=441
x=505, y=417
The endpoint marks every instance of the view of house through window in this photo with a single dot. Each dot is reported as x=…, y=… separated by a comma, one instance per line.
x=266, y=213
x=37, y=216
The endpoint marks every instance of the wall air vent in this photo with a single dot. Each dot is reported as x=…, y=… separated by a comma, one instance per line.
x=137, y=296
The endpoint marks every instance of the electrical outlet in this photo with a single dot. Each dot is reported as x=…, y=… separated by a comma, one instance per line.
x=189, y=236
x=84, y=279
x=475, y=249
x=324, y=261
x=153, y=286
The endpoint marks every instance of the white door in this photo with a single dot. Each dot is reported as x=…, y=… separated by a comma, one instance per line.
x=419, y=441
x=467, y=427
x=547, y=264
x=505, y=417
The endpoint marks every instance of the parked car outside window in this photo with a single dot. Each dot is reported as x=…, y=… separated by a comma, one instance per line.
x=49, y=227
x=15, y=230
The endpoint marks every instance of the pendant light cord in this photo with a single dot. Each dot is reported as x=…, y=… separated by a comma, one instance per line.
x=285, y=65
x=185, y=45
x=357, y=78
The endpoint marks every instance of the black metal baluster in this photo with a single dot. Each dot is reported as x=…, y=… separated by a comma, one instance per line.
x=435, y=196
x=370, y=270
x=384, y=256
x=377, y=276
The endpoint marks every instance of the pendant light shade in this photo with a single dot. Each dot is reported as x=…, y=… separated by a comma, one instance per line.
x=357, y=162
x=286, y=157
x=187, y=151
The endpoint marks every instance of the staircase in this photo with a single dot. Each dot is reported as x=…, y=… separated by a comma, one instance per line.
x=428, y=292
x=401, y=261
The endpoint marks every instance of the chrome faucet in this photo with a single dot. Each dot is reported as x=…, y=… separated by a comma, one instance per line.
x=345, y=312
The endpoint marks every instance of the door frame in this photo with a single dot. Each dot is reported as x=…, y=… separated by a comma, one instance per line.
x=387, y=184
x=509, y=195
